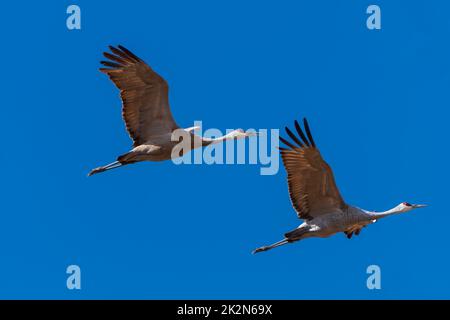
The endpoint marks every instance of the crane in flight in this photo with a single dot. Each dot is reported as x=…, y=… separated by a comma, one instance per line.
x=146, y=111
x=315, y=196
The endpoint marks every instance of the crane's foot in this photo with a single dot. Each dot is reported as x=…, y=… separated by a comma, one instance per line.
x=96, y=170
x=260, y=249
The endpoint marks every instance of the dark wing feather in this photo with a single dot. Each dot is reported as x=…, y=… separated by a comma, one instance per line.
x=144, y=93
x=312, y=188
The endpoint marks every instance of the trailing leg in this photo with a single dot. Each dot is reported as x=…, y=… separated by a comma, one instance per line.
x=110, y=166
x=276, y=244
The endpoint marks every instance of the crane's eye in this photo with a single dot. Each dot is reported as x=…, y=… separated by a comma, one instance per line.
x=407, y=204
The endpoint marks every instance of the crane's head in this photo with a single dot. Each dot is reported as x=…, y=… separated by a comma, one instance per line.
x=406, y=206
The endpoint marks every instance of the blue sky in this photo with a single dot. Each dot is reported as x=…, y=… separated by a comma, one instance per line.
x=377, y=102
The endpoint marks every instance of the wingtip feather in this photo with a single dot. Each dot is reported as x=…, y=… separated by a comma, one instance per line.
x=308, y=132
x=300, y=133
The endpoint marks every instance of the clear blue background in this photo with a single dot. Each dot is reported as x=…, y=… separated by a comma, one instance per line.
x=378, y=103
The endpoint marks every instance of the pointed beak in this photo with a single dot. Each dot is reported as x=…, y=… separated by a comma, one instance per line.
x=415, y=206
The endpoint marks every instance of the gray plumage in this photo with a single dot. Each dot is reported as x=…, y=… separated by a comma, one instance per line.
x=315, y=195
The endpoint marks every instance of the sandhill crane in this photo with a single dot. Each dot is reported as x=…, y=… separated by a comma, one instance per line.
x=146, y=111
x=315, y=196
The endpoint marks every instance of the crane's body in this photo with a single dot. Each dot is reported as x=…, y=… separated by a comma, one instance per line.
x=348, y=220
x=146, y=112
x=160, y=148
x=315, y=196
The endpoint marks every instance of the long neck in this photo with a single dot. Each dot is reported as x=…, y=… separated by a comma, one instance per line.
x=390, y=212
x=208, y=141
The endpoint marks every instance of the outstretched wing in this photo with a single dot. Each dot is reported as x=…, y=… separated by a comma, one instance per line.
x=144, y=93
x=312, y=188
